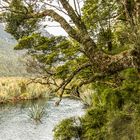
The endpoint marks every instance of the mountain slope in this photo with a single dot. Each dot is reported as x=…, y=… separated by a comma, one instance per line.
x=9, y=58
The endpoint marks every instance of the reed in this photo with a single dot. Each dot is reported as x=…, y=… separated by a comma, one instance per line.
x=36, y=112
x=13, y=89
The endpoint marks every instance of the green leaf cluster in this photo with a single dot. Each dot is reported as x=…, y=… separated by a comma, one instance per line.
x=115, y=112
x=17, y=22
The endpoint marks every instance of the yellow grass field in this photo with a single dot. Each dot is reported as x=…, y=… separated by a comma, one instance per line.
x=13, y=89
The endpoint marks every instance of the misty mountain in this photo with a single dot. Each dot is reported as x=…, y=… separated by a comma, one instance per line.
x=10, y=64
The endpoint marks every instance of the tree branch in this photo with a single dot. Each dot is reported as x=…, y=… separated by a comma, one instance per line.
x=66, y=82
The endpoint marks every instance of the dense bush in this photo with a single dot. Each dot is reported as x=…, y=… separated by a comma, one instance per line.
x=115, y=116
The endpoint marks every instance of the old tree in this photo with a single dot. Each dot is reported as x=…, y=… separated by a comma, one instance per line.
x=102, y=48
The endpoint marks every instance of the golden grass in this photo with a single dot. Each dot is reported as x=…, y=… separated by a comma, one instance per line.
x=13, y=89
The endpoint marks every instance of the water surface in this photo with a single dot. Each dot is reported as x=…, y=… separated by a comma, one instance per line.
x=15, y=124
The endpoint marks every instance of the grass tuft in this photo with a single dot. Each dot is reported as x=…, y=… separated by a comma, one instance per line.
x=36, y=112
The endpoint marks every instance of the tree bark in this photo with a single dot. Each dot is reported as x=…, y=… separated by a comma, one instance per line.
x=80, y=35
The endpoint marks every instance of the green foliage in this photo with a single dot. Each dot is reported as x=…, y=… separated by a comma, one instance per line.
x=93, y=122
x=98, y=16
x=115, y=112
x=56, y=54
x=107, y=21
x=16, y=19
x=68, y=129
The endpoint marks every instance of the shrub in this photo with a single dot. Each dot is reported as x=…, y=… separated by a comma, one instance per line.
x=114, y=113
x=68, y=129
x=36, y=112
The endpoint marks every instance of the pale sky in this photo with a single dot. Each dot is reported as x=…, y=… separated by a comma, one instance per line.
x=56, y=31
x=55, y=28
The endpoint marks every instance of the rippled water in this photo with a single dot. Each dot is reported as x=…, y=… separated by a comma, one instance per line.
x=15, y=124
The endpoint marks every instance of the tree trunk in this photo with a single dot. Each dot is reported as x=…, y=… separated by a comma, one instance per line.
x=102, y=62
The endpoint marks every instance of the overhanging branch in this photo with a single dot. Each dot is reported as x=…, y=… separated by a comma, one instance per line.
x=66, y=82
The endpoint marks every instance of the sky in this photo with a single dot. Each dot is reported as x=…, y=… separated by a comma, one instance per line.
x=56, y=31
x=54, y=27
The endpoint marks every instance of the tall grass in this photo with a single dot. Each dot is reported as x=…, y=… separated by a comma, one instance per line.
x=87, y=97
x=13, y=89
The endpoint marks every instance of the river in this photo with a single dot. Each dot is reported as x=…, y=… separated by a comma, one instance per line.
x=15, y=123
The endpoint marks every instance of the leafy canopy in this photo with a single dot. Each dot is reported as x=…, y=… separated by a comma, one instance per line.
x=102, y=50
x=98, y=43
